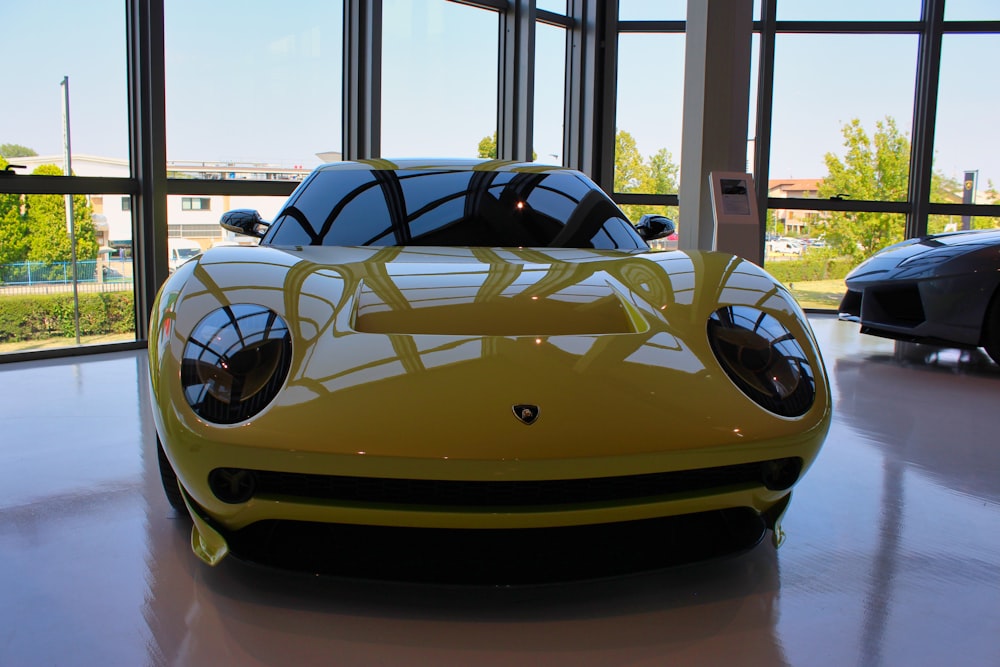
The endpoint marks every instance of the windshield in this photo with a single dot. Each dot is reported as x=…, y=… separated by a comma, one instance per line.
x=361, y=207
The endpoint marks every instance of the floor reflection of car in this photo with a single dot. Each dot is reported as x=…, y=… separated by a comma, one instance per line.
x=478, y=346
x=942, y=289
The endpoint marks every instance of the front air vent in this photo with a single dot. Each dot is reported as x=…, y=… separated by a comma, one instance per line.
x=898, y=306
x=780, y=473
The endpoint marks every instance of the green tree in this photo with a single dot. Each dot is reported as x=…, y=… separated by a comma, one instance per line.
x=656, y=175
x=13, y=231
x=873, y=168
x=13, y=227
x=488, y=147
x=15, y=150
x=630, y=172
x=46, y=218
x=663, y=172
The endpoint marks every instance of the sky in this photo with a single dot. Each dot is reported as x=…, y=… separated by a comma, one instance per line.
x=248, y=80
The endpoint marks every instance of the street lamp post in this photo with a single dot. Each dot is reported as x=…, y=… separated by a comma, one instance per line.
x=70, y=226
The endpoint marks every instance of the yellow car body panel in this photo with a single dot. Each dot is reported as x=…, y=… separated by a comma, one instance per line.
x=480, y=366
x=625, y=380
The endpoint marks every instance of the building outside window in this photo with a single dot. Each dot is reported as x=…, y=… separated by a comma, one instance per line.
x=196, y=204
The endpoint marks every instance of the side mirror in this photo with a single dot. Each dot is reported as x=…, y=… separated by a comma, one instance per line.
x=244, y=221
x=652, y=227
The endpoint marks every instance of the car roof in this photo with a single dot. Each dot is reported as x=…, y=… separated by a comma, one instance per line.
x=451, y=164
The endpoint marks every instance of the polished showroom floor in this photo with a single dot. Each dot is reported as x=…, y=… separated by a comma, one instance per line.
x=892, y=555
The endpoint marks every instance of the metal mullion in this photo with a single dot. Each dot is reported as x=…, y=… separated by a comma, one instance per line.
x=972, y=210
x=194, y=186
x=849, y=27
x=497, y=5
x=516, y=81
x=652, y=26
x=971, y=27
x=924, y=117
x=639, y=199
x=362, y=79
x=838, y=205
x=553, y=19
x=147, y=145
x=68, y=185
x=765, y=111
x=591, y=80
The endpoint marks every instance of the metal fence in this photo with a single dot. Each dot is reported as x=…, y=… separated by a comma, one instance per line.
x=61, y=273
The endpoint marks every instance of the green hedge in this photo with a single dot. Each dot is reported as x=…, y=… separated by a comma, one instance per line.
x=809, y=268
x=35, y=316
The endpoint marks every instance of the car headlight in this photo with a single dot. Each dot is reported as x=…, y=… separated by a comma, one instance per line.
x=763, y=359
x=235, y=362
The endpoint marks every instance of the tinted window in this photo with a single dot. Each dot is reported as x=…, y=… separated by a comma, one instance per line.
x=452, y=208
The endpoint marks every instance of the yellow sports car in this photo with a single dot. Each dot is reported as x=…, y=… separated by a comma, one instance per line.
x=474, y=345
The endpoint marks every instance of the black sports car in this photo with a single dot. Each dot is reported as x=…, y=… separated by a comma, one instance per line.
x=942, y=289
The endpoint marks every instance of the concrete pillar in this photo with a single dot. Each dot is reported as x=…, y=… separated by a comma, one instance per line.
x=716, y=103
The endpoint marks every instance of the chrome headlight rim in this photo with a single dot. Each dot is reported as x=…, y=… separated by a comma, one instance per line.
x=764, y=359
x=235, y=362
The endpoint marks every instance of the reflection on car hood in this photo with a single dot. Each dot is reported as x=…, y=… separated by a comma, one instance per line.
x=482, y=291
x=398, y=333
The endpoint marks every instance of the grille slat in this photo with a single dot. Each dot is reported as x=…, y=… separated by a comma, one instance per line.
x=447, y=493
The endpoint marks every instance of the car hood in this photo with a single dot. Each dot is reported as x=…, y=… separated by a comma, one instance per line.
x=929, y=256
x=610, y=346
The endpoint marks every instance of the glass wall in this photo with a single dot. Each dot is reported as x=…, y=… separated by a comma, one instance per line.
x=650, y=105
x=550, y=81
x=804, y=249
x=64, y=103
x=439, y=78
x=652, y=10
x=843, y=132
x=849, y=10
x=841, y=138
x=971, y=10
x=253, y=99
x=252, y=85
x=48, y=301
x=557, y=6
x=828, y=145
x=42, y=46
x=856, y=144
x=966, y=159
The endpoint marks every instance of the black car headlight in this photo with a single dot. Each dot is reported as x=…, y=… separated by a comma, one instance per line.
x=763, y=359
x=235, y=362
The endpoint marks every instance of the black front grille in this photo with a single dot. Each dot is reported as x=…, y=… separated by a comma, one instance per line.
x=446, y=493
x=900, y=306
x=851, y=304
